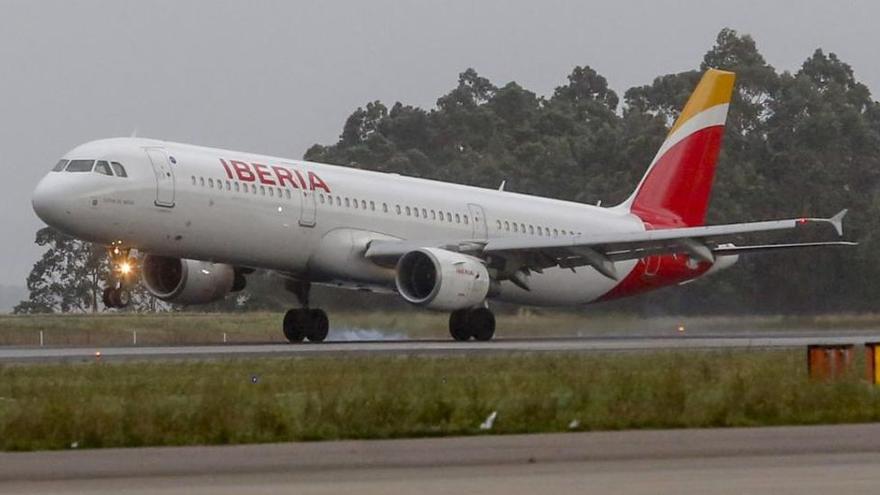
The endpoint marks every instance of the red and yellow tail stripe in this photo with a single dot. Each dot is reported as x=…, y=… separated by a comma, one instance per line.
x=675, y=190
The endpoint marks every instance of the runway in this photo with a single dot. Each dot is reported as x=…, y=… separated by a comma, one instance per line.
x=778, y=460
x=791, y=339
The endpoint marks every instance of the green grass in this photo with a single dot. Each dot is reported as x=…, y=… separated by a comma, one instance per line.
x=217, y=402
x=198, y=328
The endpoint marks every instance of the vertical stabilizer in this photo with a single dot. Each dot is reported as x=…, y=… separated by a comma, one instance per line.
x=675, y=190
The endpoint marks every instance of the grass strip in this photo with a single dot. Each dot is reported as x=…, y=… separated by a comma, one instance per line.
x=273, y=400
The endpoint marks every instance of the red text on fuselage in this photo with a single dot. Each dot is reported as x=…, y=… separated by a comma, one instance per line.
x=273, y=175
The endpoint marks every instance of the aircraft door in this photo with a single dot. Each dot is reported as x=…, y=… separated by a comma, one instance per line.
x=480, y=227
x=308, y=212
x=164, y=177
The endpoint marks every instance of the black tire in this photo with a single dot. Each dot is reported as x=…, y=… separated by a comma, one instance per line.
x=105, y=297
x=123, y=298
x=294, y=330
x=481, y=323
x=458, y=325
x=319, y=325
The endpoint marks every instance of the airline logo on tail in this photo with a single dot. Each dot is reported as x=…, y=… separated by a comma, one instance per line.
x=675, y=190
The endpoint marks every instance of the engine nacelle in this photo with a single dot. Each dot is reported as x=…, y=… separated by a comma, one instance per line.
x=184, y=281
x=441, y=279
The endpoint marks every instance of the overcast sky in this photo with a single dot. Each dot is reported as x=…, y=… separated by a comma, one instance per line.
x=277, y=76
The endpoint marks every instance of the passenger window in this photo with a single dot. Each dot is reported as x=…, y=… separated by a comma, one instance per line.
x=465, y=219
x=211, y=183
x=322, y=198
x=228, y=186
x=219, y=184
x=555, y=232
x=385, y=207
x=355, y=203
x=59, y=166
x=338, y=201
x=397, y=207
x=237, y=187
x=271, y=192
x=287, y=193
x=457, y=218
x=202, y=181
x=449, y=217
x=416, y=212
x=507, y=225
x=424, y=213
x=263, y=190
x=514, y=228
x=540, y=232
x=532, y=229
x=408, y=211
x=194, y=180
x=522, y=228
x=118, y=169
x=372, y=206
x=363, y=204
x=347, y=203
x=499, y=224
x=80, y=165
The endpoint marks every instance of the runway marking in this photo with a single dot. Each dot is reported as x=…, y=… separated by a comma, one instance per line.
x=421, y=347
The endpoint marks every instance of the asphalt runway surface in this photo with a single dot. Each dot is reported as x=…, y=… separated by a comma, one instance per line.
x=778, y=460
x=789, y=339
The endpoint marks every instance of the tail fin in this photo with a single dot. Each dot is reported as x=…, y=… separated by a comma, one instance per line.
x=675, y=190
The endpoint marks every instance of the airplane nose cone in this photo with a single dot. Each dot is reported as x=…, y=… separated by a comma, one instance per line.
x=46, y=201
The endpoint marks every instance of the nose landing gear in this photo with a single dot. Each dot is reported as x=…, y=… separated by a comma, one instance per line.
x=304, y=323
x=122, y=273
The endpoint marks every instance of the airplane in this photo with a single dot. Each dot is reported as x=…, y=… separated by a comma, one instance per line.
x=200, y=219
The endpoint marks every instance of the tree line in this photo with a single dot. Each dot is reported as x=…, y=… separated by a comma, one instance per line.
x=796, y=143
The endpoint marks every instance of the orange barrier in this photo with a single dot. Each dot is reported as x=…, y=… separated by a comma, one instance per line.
x=829, y=362
x=872, y=362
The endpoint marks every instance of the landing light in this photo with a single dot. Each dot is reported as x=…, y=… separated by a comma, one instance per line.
x=125, y=268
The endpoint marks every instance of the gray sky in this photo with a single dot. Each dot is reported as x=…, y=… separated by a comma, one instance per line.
x=277, y=76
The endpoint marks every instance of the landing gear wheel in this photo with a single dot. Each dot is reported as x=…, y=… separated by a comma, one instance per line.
x=319, y=325
x=481, y=323
x=122, y=297
x=458, y=325
x=116, y=297
x=105, y=297
x=305, y=323
x=293, y=326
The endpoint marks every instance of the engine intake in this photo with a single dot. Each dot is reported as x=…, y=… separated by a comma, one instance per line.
x=185, y=281
x=441, y=279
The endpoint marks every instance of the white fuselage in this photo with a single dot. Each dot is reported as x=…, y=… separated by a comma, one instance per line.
x=198, y=205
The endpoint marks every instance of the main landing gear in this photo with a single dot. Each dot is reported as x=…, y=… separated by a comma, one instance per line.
x=478, y=323
x=122, y=272
x=304, y=323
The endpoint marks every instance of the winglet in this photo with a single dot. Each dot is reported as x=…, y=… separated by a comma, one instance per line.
x=837, y=221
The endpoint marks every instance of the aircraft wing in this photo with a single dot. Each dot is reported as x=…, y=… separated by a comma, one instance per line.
x=601, y=250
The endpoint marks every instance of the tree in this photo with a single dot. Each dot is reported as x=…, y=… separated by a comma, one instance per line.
x=68, y=277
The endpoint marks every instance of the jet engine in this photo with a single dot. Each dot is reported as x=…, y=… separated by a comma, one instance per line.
x=441, y=279
x=185, y=281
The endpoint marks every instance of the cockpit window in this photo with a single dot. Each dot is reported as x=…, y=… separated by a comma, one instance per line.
x=80, y=165
x=119, y=169
x=103, y=167
x=59, y=166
